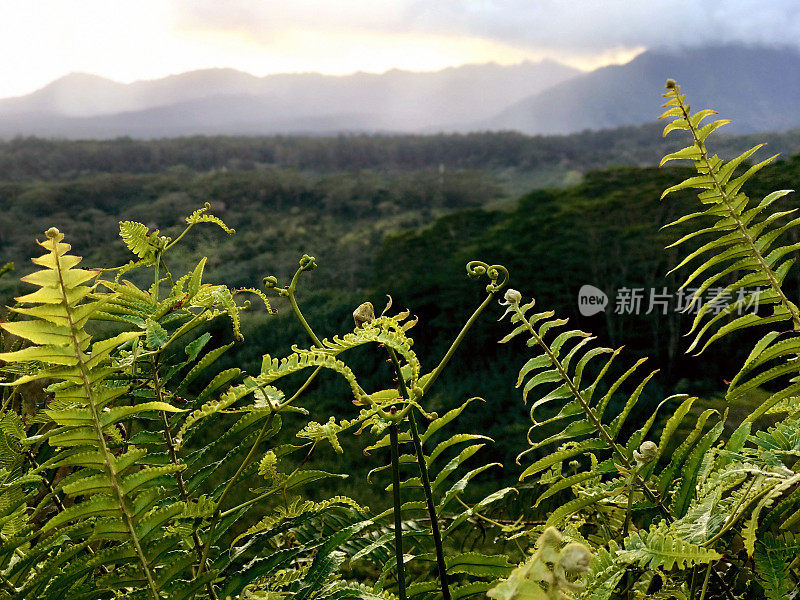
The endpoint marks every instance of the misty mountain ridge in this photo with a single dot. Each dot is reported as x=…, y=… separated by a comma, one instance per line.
x=757, y=87
x=204, y=102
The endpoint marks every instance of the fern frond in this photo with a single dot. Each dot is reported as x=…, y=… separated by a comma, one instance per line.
x=210, y=297
x=201, y=216
x=273, y=369
x=660, y=548
x=582, y=434
x=386, y=330
x=773, y=556
x=139, y=240
x=58, y=332
x=744, y=263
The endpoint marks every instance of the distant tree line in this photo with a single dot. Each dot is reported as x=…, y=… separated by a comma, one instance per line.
x=36, y=158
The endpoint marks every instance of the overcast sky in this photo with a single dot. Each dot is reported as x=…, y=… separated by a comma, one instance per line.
x=125, y=40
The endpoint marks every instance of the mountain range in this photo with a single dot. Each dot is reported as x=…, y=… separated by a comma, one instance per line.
x=757, y=87
x=226, y=101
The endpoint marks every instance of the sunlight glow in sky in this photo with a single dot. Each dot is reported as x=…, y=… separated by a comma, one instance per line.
x=126, y=40
x=147, y=39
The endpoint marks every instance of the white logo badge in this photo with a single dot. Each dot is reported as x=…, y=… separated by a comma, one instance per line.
x=591, y=300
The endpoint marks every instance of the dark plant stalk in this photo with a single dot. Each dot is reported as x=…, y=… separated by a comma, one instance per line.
x=628, y=575
x=398, y=517
x=173, y=456
x=457, y=342
x=426, y=482
x=217, y=513
x=49, y=483
x=720, y=580
x=8, y=586
x=705, y=581
x=426, y=486
x=306, y=264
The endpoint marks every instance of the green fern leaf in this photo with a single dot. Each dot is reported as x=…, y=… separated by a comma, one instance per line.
x=772, y=558
x=200, y=216
x=660, y=548
x=138, y=239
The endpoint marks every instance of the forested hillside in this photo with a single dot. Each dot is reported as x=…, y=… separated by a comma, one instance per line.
x=405, y=232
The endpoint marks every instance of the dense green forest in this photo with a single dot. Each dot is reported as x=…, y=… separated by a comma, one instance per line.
x=407, y=233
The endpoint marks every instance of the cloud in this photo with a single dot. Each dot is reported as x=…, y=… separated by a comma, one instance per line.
x=134, y=39
x=598, y=25
x=266, y=18
x=571, y=26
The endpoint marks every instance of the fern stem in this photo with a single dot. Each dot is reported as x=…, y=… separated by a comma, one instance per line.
x=156, y=281
x=178, y=239
x=108, y=458
x=764, y=267
x=198, y=544
x=49, y=483
x=302, y=319
x=217, y=513
x=457, y=342
x=182, y=330
x=628, y=511
x=290, y=293
x=301, y=389
x=170, y=281
x=426, y=481
x=477, y=514
x=247, y=503
x=59, y=504
x=398, y=517
x=426, y=486
x=295, y=471
x=251, y=501
x=9, y=399
x=705, y=582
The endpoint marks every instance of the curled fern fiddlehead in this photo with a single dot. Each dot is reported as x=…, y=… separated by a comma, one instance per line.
x=497, y=274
